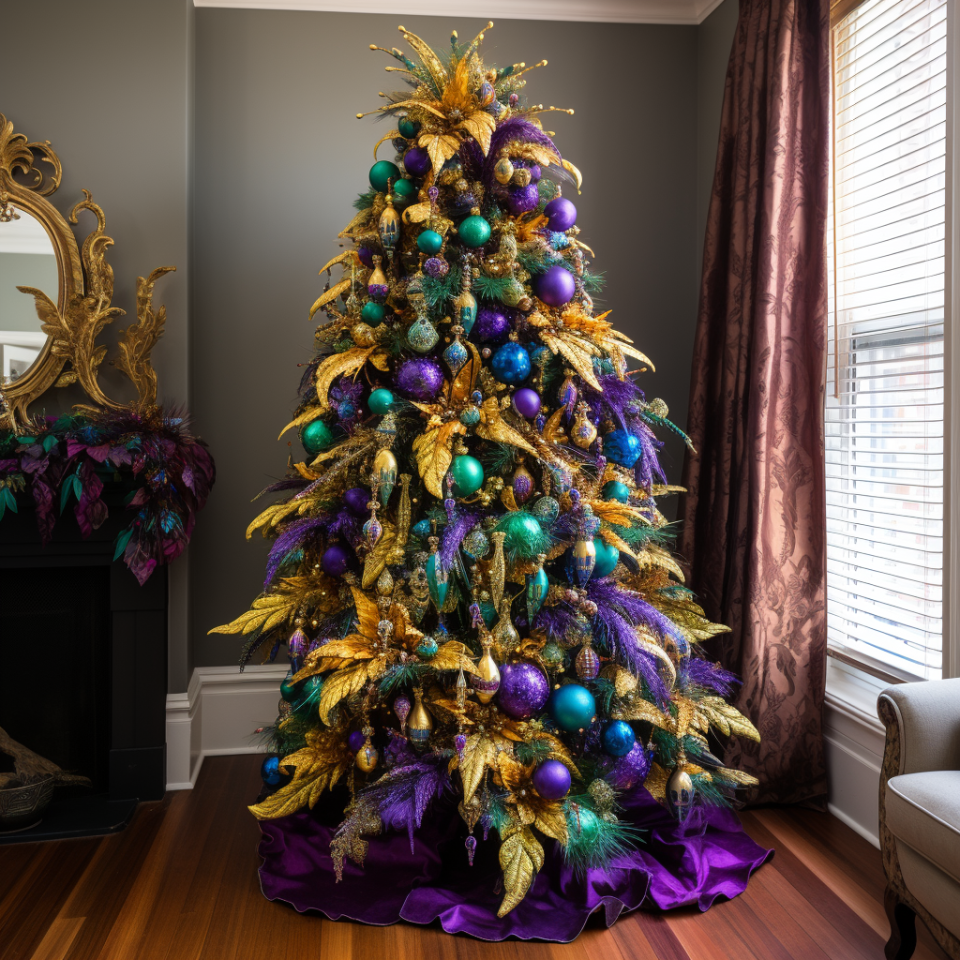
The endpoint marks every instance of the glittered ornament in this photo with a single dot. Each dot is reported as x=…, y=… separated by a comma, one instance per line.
x=476, y=543
x=373, y=313
x=427, y=648
x=572, y=707
x=366, y=255
x=587, y=663
x=487, y=680
x=408, y=128
x=621, y=447
x=503, y=170
x=316, y=436
x=456, y=356
x=551, y=780
x=380, y=401
x=523, y=199
x=470, y=415
x=467, y=473
x=377, y=285
x=367, y=757
x=493, y=325
x=335, y=560
x=618, y=738
x=429, y=242
x=511, y=364
x=606, y=560
x=629, y=770
x=524, y=690
x=583, y=431
x=526, y=402
x=401, y=707
x=552, y=654
x=381, y=173
x=471, y=844
x=385, y=470
x=546, y=510
x=420, y=723
x=561, y=214
x=555, y=286
x=615, y=490
x=474, y=231
x=436, y=267
x=513, y=292
x=270, y=771
x=419, y=379
x=422, y=335
x=417, y=161
x=372, y=531
x=505, y=633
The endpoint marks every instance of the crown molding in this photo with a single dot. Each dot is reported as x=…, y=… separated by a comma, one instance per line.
x=678, y=12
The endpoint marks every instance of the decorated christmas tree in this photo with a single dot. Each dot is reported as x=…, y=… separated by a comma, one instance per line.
x=469, y=573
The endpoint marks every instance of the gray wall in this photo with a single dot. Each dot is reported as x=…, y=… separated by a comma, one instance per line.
x=107, y=82
x=17, y=310
x=279, y=158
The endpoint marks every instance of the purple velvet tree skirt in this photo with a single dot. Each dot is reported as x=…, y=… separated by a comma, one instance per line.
x=707, y=857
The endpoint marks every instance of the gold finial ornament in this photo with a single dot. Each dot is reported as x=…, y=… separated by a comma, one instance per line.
x=498, y=568
x=487, y=680
x=419, y=723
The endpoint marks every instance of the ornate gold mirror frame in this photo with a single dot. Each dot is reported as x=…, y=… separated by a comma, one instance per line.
x=74, y=322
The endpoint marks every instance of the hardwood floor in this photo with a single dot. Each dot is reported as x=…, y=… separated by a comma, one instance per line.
x=180, y=883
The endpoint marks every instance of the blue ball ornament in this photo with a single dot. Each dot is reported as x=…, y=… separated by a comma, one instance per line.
x=621, y=447
x=270, y=771
x=511, y=364
x=607, y=559
x=618, y=738
x=572, y=707
x=615, y=490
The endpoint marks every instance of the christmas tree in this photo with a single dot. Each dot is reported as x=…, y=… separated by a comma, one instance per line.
x=469, y=571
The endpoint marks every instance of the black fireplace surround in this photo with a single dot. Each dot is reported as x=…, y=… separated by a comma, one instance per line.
x=83, y=667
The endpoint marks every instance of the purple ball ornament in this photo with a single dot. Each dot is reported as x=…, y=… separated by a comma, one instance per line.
x=356, y=740
x=555, y=286
x=492, y=326
x=436, y=267
x=526, y=402
x=524, y=689
x=561, y=214
x=417, y=162
x=419, y=378
x=366, y=256
x=626, y=772
x=552, y=780
x=336, y=560
x=523, y=199
x=356, y=499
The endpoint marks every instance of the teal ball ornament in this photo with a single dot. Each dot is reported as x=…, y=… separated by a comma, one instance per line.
x=621, y=447
x=288, y=689
x=572, y=707
x=615, y=490
x=546, y=510
x=524, y=535
x=607, y=559
x=470, y=415
x=381, y=173
x=511, y=364
x=316, y=436
x=474, y=231
x=618, y=738
x=373, y=313
x=586, y=827
x=467, y=473
x=421, y=529
x=380, y=401
x=403, y=191
x=427, y=648
x=408, y=128
x=429, y=242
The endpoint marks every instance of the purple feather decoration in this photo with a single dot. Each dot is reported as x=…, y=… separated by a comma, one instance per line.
x=453, y=535
x=696, y=671
x=555, y=621
x=616, y=396
x=293, y=536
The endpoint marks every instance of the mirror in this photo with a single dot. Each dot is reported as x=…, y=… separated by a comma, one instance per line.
x=27, y=258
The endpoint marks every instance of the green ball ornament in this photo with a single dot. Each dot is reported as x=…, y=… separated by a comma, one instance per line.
x=467, y=475
x=403, y=191
x=525, y=537
x=615, y=490
x=288, y=689
x=589, y=827
x=470, y=416
x=607, y=559
x=316, y=436
x=408, y=128
x=552, y=654
x=474, y=231
x=380, y=402
x=381, y=173
x=373, y=313
x=429, y=242
x=427, y=648
x=572, y=707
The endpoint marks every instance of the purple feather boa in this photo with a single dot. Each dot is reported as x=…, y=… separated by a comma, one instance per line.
x=453, y=535
x=696, y=671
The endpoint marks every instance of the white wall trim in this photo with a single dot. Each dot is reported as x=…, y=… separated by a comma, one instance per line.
x=218, y=716
x=677, y=12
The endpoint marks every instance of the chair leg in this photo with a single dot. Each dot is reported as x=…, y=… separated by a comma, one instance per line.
x=903, y=930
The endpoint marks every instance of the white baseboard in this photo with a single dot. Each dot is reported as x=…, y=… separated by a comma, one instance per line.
x=218, y=716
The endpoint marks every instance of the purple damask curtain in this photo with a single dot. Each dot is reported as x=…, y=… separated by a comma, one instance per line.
x=753, y=531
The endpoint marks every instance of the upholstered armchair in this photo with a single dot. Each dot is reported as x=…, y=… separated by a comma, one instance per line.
x=920, y=813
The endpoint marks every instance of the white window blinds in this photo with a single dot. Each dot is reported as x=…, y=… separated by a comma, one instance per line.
x=884, y=408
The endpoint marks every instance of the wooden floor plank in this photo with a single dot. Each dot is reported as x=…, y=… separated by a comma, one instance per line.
x=181, y=884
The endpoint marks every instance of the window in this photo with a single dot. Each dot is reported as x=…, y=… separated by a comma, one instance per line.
x=885, y=370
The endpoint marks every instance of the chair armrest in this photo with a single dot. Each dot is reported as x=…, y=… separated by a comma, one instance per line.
x=923, y=726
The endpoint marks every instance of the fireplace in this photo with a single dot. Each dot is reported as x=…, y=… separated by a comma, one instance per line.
x=84, y=665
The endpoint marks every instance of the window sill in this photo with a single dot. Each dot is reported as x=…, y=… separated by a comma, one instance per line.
x=854, y=693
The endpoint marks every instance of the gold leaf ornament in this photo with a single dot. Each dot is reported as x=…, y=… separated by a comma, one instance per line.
x=434, y=453
x=341, y=685
x=440, y=148
x=340, y=364
x=521, y=858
